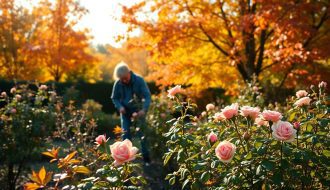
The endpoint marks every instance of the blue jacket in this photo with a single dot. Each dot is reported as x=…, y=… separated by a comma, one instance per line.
x=122, y=94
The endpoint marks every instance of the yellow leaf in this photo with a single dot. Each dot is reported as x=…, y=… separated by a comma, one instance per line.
x=31, y=186
x=52, y=153
x=70, y=156
x=81, y=169
x=74, y=161
x=42, y=174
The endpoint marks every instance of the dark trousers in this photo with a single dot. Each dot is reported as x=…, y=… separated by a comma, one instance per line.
x=140, y=126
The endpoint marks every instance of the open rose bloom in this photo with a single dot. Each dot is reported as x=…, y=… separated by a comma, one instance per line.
x=284, y=131
x=305, y=101
x=123, y=152
x=230, y=111
x=251, y=112
x=173, y=91
x=225, y=151
x=273, y=116
x=301, y=93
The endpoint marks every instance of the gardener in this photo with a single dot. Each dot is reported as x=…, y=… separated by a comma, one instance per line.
x=131, y=96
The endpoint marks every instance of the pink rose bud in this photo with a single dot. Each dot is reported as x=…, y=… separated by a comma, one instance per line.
x=312, y=87
x=284, y=131
x=230, y=111
x=212, y=138
x=123, y=152
x=43, y=87
x=225, y=151
x=163, y=115
x=305, y=101
x=18, y=97
x=246, y=136
x=322, y=84
x=13, y=90
x=204, y=114
x=273, y=116
x=210, y=107
x=251, y=112
x=13, y=111
x=3, y=94
x=296, y=125
x=301, y=93
x=100, y=139
x=255, y=88
x=173, y=91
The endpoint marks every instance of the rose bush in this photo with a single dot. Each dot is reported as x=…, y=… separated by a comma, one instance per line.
x=264, y=147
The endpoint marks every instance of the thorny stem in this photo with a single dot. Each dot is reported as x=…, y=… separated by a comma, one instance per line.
x=239, y=136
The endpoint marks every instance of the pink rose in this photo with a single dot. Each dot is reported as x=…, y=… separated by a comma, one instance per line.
x=230, y=111
x=296, y=125
x=13, y=111
x=13, y=90
x=301, y=93
x=251, y=112
x=173, y=91
x=212, y=137
x=43, y=87
x=204, y=114
x=219, y=116
x=123, y=152
x=210, y=107
x=322, y=84
x=3, y=94
x=225, y=151
x=284, y=131
x=100, y=139
x=273, y=116
x=18, y=97
x=255, y=88
x=305, y=101
x=163, y=115
x=260, y=122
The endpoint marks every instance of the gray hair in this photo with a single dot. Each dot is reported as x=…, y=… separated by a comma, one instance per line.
x=121, y=69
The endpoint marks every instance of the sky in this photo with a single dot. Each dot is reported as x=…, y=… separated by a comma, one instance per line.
x=102, y=19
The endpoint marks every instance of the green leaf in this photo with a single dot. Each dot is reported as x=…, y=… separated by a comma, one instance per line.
x=205, y=177
x=184, y=173
x=112, y=179
x=214, y=164
x=185, y=183
x=168, y=156
x=180, y=155
x=259, y=170
x=326, y=153
x=277, y=178
x=172, y=180
x=268, y=165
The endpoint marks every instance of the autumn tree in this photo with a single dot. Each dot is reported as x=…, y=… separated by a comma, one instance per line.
x=214, y=43
x=63, y=49
x=17, y=26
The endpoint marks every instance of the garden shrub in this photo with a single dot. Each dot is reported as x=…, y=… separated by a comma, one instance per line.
x=247, y=147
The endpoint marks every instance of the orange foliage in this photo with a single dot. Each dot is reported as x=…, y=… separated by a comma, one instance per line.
x=41, y=44
x=213, y=43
